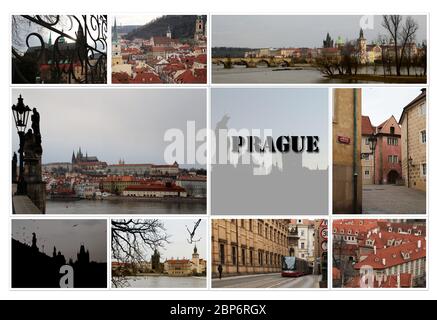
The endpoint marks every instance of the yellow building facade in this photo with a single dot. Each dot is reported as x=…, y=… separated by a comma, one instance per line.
x=347, y=176
x=248, y=246
x=413, y=126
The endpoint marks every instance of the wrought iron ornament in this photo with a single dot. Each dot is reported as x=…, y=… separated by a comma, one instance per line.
x=81, y=58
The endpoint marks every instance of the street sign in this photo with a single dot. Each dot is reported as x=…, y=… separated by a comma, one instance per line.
x=343, y=140
x=324, y=246
x=324, y=233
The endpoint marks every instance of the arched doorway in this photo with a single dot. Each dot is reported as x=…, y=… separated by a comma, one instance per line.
x=392, y=177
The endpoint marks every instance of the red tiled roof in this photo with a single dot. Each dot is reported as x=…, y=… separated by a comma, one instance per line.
x=192, y=178
x=366, y=126
x=393, y=256
x=146, y=77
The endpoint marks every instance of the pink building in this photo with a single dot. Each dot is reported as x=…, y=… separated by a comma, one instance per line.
x=388, y=153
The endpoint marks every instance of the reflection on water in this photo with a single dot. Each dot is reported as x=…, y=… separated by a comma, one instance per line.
x=264, y=74
x=164, y=282
x=124, y=207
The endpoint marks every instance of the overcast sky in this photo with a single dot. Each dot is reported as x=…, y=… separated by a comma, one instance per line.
x=135, y=20
x=289, y=111
x=66, y=235
x=21, y=28
x=381, y=103
x=178, y=236
x=258, y=31
x=111, y=124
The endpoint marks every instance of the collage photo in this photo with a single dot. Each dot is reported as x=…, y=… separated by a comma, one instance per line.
x=218, y=152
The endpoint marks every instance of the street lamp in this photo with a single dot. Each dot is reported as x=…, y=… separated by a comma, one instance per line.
x=372, y=144
x=21, y=116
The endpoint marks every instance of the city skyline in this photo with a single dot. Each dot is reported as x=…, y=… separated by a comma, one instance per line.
x=66, y=235
x=94, y=121
x=250, y=30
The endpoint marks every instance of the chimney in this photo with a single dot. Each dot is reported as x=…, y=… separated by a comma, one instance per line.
x=374, y=250
x=380, y=235
x=423, y=90
x=419, y=244
x=383, y=261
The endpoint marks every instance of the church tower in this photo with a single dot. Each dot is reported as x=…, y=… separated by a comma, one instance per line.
x=362, y=48
x=195, y=260
x=199, y=29
x=168, y=32
x=116, y=49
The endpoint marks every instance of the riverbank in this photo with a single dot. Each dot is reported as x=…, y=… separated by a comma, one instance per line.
x=121, y=205
x=136, y=199
x=378, y=78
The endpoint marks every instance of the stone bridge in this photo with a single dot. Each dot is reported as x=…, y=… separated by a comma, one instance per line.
x=271, y=62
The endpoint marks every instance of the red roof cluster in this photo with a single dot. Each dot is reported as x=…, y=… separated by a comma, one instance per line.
x=393, y=256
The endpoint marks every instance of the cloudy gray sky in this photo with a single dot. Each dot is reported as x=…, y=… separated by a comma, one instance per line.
x=111, y=124
x=179, y=246
x=135, y=20
x=21, y=28
x=66, y=235
x=289, y=111
x=257, y=31
x=381, y=103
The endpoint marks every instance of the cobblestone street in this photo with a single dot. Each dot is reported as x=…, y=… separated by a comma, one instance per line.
x=393, y=199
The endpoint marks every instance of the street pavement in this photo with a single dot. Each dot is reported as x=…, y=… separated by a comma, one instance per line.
x=271, y=280
x=388, y=199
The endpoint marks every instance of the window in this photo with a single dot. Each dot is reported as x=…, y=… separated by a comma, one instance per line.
x=243, y=256
x=392, y=141
x=251, y=257
x=365, y=156
x=422, y=109
x=367, y=173
x=250, y=224
x=393, y=159
x=302, y=245
x=392, y=130
x=423, y=169
x=222, y=253
x=423, y=136
x=234, y=255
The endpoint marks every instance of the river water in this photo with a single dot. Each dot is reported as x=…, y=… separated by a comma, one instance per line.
x=123, y=207
x=263, y=74
x=164, y=282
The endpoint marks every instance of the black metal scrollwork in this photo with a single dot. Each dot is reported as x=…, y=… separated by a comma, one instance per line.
x=82, y=59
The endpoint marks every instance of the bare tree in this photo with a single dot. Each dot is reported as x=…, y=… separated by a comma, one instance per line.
x=349, y=59
x=132, y=238
x=401, y=35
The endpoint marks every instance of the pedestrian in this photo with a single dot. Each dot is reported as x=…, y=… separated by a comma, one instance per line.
x=220, y=271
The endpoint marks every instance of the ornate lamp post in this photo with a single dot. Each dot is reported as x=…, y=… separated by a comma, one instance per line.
x=372, y=144
x=21, y=116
